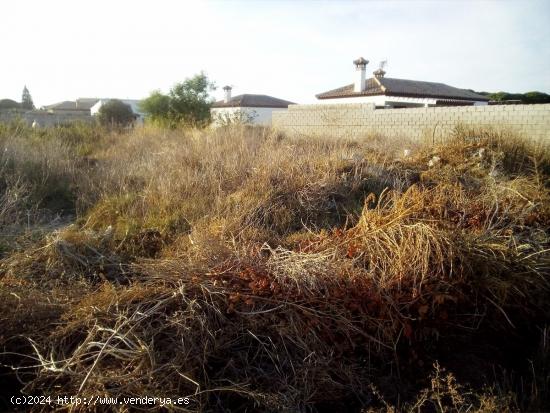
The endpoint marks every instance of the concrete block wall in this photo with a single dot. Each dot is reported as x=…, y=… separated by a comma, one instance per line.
x=358, y=119
x=45, y=118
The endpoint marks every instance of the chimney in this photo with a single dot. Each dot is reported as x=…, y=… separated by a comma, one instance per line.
x=360, y=69
x=227, y=97
x=379, y=73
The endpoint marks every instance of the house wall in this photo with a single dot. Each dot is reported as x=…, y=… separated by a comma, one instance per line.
x=261, y=116
x=357, y=119
x=44, y=118
x=75, y=112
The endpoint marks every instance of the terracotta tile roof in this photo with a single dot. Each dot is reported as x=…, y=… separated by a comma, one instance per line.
x=81, y=104
x=253, y=101
x=403, y=87
x=65, y=105
x=86, y=103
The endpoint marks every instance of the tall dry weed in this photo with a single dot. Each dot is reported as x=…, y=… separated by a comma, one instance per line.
x=250, y=270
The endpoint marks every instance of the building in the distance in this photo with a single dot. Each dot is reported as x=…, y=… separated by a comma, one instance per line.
x=89, y=107
x=387, y=92
x=80, y=107
x=247, y=108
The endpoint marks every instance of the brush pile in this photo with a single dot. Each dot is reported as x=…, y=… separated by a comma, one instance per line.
x=318, y=276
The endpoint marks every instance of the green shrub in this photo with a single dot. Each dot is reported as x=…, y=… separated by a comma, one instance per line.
x=115, y=113
x=187, y=104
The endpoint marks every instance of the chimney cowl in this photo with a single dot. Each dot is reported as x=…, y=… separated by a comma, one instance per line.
x=361, y=62
x=379, y=73
x=227, y=97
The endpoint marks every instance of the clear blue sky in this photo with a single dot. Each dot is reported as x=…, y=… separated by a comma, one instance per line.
x=64, y=49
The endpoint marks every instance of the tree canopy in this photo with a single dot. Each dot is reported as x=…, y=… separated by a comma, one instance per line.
x=156, y=106
x=186, y=103
x=536, y=97
x=115, y=113
x=26, y=99
x=9, y=104
x=529, y=97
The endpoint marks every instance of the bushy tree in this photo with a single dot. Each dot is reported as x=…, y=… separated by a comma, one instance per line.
x=9, y=104
x=26, y=99
x=190, y=101
x=499, y=96
x=115, y=113
x=156, y=106
x=187, y=103
x=529, y=97
x=536, y=97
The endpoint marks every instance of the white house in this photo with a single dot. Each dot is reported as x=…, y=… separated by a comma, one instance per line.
x=247, y=108
x=386, y=92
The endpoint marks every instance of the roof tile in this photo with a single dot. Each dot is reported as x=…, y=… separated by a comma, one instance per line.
x=403, y=87
x=253, y=101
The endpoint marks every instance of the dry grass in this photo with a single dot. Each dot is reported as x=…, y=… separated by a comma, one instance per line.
x=252, y=271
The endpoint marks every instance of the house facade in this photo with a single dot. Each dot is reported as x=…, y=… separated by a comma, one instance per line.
x=246, y=109
x=89, y=107
x=386, y=92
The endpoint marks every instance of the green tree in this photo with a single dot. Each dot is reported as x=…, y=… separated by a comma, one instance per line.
x=115, y=113
x=9, y=104
x=536, y=97
x=26, y=99
x=529, y=97
x=156, y=106
x=190, y=101
x=187, y=103
x=499, y=96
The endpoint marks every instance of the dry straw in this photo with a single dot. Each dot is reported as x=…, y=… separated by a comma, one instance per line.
x=251, y=271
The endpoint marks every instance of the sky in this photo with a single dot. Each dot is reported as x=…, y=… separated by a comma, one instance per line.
x=65, y=49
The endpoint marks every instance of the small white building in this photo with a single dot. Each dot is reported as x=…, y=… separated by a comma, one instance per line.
x=246, y=109
x=386, y=92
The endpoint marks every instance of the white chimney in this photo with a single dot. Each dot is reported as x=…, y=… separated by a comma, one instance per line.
x=227, y=90
x=360, y=70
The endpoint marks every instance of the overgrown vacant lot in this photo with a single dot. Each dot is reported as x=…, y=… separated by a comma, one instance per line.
x=251, y=271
